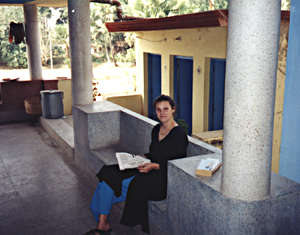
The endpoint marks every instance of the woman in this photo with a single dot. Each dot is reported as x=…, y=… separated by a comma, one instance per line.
x=149, y=181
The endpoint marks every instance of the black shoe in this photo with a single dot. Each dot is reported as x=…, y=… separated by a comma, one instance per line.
x=98, y=232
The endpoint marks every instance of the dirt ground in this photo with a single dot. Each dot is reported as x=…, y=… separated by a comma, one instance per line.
x=111, y=80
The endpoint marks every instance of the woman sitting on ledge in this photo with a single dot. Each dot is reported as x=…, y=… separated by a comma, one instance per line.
x=148, y=182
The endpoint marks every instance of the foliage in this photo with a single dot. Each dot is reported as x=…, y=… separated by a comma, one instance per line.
x=220, y=4
x=183, y=124
x=108, y=46
x=111, y=47
x=204, y=5
x=285, y=4
x=11, y=55
x=158, y=8
x=54, y=36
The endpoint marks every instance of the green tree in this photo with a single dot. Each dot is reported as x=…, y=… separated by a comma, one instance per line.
x=220, y=4
x=158, y=8
x=285, y=4
x=106, y=46
x=12, y=55
x=50, y=43
x=100, y=37
x=206, y=5
x=60, y=37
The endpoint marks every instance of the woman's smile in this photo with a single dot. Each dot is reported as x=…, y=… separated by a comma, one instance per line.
x=164, y=111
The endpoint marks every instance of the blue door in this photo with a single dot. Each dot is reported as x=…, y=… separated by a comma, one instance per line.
x=154, y=82
x=183, y=89
x=216, y=94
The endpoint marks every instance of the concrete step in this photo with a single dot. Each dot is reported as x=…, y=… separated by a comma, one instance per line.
x=61, y=131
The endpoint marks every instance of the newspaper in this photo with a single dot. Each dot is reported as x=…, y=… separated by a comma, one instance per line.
x=130, y=161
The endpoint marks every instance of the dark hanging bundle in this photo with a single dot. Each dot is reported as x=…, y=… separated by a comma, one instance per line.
x=16, y=31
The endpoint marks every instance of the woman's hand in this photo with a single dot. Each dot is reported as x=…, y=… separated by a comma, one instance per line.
x=145, y=168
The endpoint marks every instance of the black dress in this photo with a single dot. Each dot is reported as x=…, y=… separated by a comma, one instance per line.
x=153, y=185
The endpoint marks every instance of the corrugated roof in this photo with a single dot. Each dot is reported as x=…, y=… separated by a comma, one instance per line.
x=216, y=18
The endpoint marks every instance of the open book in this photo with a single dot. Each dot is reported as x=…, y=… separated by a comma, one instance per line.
x=129, y=161
x=208, y=166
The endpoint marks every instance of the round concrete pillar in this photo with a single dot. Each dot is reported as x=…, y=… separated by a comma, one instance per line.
x=80, y=44
x=252, y=49
x=33, y=41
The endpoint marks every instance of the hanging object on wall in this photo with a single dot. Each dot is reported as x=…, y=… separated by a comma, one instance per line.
x=16, y=33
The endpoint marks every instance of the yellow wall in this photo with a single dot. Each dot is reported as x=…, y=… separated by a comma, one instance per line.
x=132, y=102
x=278, y=109
x=201, y=44
x=66, y=86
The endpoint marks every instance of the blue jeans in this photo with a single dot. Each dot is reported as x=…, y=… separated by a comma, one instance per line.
x=104, y=198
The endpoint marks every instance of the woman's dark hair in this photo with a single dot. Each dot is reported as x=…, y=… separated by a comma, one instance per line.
x=164, y=98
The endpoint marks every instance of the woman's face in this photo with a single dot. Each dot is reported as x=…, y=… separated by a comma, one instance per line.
x=164, y=111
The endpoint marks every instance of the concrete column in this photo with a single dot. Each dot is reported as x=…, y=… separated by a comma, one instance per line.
x=33, y=41
x=80, y=43
x=252, y=49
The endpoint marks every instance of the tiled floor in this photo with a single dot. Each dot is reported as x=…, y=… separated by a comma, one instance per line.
x=42, y=192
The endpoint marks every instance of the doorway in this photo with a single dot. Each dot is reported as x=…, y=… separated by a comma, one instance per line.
x=216, y=94
x=154, y=82
x=183, y=89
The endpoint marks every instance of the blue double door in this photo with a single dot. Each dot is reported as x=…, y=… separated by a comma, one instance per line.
x=183, y=91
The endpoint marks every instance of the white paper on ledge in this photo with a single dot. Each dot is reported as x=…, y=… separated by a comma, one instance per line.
x=208, y=164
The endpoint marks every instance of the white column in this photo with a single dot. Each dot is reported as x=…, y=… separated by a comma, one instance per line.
x=80, y=44
x=252, y=49
x=33, y=41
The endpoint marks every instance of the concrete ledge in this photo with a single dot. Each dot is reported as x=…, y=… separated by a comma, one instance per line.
x=107, y=155
x=103, y=128
x=61, y=132
x=197, y=206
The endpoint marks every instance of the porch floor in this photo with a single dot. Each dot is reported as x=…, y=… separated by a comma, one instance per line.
x=42, y=191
